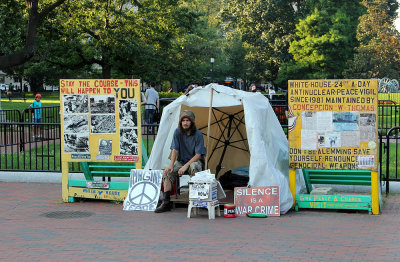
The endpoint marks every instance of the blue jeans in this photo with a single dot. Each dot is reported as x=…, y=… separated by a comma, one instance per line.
x=37, y=120
x=149, y=115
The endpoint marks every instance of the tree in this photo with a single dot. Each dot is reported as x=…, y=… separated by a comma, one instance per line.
x=235, y=54
x=19, y=42
x=266, y=27
x=378, y=55
x=325, y=40
x=126, y=40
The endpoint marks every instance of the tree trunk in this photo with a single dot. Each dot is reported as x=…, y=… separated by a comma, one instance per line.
x=30, y=48
x=106, y=72
x=20, y=83
x=36, y=84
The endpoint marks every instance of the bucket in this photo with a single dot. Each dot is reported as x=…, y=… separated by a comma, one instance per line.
x=229, y=210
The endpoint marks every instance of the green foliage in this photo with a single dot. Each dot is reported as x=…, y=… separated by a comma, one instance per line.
x=378, y=55
x=152, y=40
x=291, y=70
x=12, y=26
x=325, y=40
x=266, y=28
x=167, y=41
x=169, y=94
x=235, y=53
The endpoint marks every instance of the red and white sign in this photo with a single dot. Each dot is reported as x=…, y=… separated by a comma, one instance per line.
x=126, y=158
x=261, y=200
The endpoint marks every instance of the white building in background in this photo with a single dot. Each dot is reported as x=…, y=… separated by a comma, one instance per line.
x=10, y=83
x=7, y=83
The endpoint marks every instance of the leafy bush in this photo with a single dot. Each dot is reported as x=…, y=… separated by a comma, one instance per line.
x=169, y=95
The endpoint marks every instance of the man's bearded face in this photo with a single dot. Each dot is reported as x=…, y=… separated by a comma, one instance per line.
x=186, y=123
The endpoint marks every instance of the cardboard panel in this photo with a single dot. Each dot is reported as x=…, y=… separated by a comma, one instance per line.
x=100, y=120
x=333, y=124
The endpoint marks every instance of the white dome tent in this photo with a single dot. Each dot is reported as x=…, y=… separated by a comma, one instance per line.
x=244, y=131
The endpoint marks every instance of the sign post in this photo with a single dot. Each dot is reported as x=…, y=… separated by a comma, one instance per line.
x=100, y=122
x=333, y=125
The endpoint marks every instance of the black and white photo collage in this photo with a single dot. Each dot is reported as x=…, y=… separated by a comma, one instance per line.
x=76, y=123
x=102, y=114
x=128, y=127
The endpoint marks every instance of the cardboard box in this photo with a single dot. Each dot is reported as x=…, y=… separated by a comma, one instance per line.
x=205, y=190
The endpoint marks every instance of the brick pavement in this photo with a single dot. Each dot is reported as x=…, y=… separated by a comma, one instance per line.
x=111, y=234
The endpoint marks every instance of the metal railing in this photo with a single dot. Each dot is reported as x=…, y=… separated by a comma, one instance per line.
x=50, y=114
x=33, y=147
x=392, y=159
x=23, y=149
x=388, y=117
x=10, y=115
x=17, y=142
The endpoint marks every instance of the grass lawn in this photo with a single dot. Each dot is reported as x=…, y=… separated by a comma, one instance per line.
x=394, y=157
x=46, y=157
x=38, y=158
x=48, y=99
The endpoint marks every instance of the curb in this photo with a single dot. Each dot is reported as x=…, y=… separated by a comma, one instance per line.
x=55, y=177
x=44, y=177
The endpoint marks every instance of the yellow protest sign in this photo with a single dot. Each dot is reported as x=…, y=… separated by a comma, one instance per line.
x=333, y=124
x=100, y=120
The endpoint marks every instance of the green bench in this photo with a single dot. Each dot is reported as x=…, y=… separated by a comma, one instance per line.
x=106, y=171
x=91, y=170
x=16, y=95
x=335, y=177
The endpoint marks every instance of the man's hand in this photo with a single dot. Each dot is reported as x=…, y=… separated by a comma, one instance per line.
x=167, y=171
x=182, y=170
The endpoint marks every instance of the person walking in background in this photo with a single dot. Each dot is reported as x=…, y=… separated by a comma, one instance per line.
x=152, y=104
x=36, y=110
x=271, y=92
x=143, y=97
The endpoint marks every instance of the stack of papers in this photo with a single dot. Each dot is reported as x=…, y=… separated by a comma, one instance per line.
x=206, y=177
x=203, y=176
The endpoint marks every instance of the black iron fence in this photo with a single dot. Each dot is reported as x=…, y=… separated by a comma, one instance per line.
x=29, y=147
x=10, y=115
x=20, y=150
x=49, y=114
x=33, y=147
x=388, y=117
x=390, y=148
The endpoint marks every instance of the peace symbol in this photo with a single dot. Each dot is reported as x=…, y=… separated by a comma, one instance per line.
x=143, y=193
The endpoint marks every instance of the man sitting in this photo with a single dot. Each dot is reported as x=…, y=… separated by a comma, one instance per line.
x=187, y=155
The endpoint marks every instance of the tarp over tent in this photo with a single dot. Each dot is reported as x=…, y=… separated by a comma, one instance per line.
x=244, y=132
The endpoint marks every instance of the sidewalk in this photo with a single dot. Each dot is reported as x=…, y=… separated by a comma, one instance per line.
x=35, y=225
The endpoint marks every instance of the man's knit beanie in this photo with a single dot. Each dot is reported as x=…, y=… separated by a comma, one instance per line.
x=188, y=114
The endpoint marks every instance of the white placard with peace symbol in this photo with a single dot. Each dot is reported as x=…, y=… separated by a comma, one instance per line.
x=144, y=190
